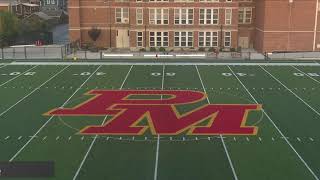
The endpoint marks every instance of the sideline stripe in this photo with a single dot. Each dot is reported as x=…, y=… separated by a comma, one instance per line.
x=168, y=63
x=158, y=140
x=290, y=91
x=47, y=122
x=221, y=137
x=15, y=77
x=306, y=74
x=96, y=136
x=32, y=91
x=280, y=132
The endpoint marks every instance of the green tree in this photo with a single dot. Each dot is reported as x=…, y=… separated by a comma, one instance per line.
x=9, y=28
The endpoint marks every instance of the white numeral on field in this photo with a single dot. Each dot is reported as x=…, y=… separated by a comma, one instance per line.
x=19, y=73
x=160, y=74
x=310, y=74
x=238, y=74
x=89, y=73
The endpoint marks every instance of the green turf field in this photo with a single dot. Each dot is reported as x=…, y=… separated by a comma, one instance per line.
x=286, y=146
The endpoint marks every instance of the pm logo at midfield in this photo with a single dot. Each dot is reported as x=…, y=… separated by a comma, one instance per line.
x=128, y=110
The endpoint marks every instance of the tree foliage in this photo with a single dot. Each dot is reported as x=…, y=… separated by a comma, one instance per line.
x=9, y=28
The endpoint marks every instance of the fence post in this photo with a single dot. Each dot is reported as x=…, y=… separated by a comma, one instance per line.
x=61, y=52
x=14, y=53
x=85, y=54
x=25, y=52
x=101, y=55
x=2, y=55
x=44, y=52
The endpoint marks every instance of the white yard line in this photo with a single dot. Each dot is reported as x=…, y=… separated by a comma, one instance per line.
x=165, y=63
x=306, y=74
x=47, y=122
x=280, y=132
x=32, y=91
x=155, y=177
x=3, y=65
x=15, y=77
x=96, y=136
x=291, y=91
x=221, y=137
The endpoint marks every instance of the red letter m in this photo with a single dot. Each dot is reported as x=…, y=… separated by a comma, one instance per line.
x=127, y=110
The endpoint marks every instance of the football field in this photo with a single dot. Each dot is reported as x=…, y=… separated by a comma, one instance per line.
x=284, y=146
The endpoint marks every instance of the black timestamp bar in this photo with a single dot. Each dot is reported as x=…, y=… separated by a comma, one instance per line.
x=27, y=169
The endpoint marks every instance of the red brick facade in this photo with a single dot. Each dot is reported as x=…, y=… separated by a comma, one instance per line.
x=270, y=25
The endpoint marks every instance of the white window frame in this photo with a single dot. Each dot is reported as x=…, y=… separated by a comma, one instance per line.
x=162, y=38
x=213, y=38
x=211, y=16
x=180, y=16
x=162, y=16
x=121, y=15
x=244, y=14
x=225, y=37
x=188, y=38
x=140, y=41
x=228, y=16
x=137, y=19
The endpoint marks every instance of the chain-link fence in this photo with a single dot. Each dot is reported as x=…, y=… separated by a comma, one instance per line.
x=36, y=52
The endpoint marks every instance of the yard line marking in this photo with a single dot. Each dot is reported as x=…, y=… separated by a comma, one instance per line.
x=222, y=140
x=280, y=132
x=15, y=77
x=4, y=66
x=96, y=136
x=158, y=140
x=47, y=122
x=290, y=91
x=32, y=91
x=306, y=74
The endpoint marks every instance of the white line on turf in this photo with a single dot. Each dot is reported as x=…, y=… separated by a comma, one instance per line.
x=4, y=65
x=15, y=77
x=222, y=140
x=96, y=136
x=158, y=139
x=306, y=74
x=162, y=63
x=290, y=91
x=280, y=132
x=33, y=91
x=47, y=122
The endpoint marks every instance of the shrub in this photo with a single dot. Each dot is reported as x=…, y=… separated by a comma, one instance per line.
x=162, y=49
x=142, y=50
x=153, y=49
x=201, y=49
x=233, y=49
x=212, y=49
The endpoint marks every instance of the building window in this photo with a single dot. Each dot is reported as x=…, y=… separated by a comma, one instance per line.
x=159, y=0
x=228, y=0
x=159, y=16
x=139, y=16
x=140, y=39
x=228, y=16
x=53, y=2
x=245, y=15
x=209, y=0
x=183, y=16
x=209, y=16
x=208, y=39
x=227, y=39
x=122, y=15
x=183, y=39
x=183, y=0
x=159, y=39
